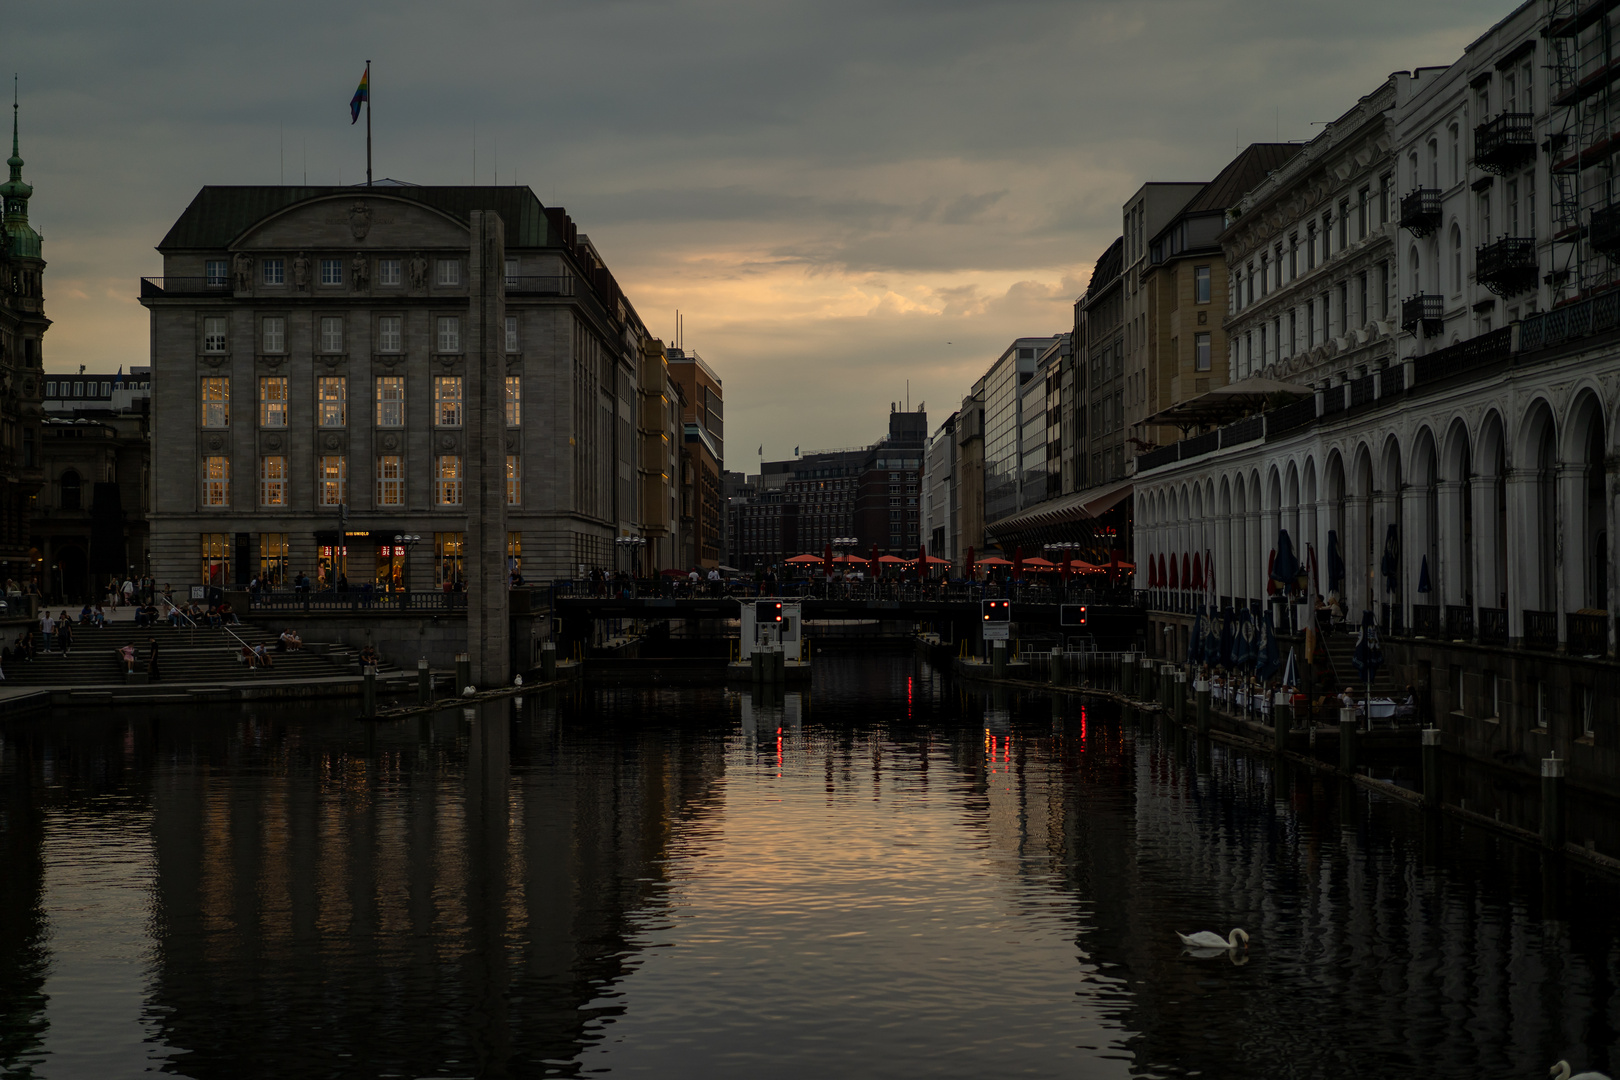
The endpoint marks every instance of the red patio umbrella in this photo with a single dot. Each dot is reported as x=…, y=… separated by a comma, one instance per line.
x=827, y=559
x=922, y=562
x=1018, y=563
x=971, y=569
x=1271, y=564
x=1198, y=571
x=850, y=560
x=801, y=560
x=892, y=560
x=874, y=555
x=1035, y=562
x=994, y=560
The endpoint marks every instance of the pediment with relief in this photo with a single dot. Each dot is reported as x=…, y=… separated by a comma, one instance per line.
x=352, y=222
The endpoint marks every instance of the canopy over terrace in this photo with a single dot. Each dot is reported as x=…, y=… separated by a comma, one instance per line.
x=1097, y=518
x=1227, y=403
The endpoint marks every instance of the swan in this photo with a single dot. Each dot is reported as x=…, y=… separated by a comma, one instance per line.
x=1560, y=1071
x=1206, y=940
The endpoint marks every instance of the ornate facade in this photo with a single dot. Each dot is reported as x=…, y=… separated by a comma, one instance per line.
x=22, y=328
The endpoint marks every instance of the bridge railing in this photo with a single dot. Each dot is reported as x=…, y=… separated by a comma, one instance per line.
x=1086, y=668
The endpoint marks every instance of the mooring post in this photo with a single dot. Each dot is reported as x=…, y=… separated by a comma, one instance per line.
x=463, y=672
x=368, y=692
x=548, y=660
x=1347, y=740
x=424, y=683
x=1181, y=695
x=1201, y=692
x=779, y=659
x=1282, y=718
x=1552, y=802
x=756, y=664
x=1148, y=690
x=1431, y=768
x=998, y=659
x=1127, y=674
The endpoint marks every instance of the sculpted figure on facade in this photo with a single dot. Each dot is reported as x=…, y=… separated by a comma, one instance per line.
x=419, y=271
x=300, y=270
x=359, y=271
x=244, y=272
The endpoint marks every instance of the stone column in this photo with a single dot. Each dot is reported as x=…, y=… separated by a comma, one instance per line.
x=1415, y=544
x=1352, y=544
x=1452, y=570
x=1522, y=544
x=1574, y=538
x=1488, y=583
x=484, y=462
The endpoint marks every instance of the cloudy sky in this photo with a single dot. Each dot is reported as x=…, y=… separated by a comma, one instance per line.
x=840, y=196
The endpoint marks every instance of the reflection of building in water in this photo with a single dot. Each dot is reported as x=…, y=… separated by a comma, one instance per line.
x=446, y=891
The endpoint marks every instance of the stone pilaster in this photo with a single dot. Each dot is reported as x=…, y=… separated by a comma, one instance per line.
x=484, y=461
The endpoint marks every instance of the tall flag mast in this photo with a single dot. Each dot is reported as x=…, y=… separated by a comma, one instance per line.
x=362, y=95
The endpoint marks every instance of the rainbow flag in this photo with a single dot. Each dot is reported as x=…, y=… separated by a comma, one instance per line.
x=362, y=93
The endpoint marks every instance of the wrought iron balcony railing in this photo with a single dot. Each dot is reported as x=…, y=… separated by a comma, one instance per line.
x=1507, y=266
x=1420, y=211
x=1423, y=312
x=1505, y=142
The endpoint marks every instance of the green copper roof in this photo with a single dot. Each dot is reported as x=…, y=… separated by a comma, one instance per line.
x=218, y=215
x=21, y=239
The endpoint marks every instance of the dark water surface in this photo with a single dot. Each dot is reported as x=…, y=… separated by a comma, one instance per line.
x=889, y=876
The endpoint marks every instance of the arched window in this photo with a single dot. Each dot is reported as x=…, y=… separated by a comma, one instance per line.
x=1456, y=259
x=1434, y=163
x=71, y=486
x=1417, y=272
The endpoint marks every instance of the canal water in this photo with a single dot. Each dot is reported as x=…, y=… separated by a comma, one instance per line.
x=889, y=875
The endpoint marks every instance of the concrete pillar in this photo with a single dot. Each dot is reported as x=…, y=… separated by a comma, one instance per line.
x=368, y=692
x=1181, y=695
x=998, y=659
x=1201, y=690
x=1573, y=533
x=1552, y=802
x=1454, y=568
x=1353, y=541
x=463, y=672
x=1431, y=768
x=1523, y=549
x=424, y=683
x=483, y=452
x=1282, y=719
x=1487, y=553
x=1056, y=675
x=548, y=660
x=1415, y=543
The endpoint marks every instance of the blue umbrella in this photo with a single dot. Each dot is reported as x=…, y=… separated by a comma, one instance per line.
x=1244, y=652
x=1335, y=564
x=1291, y=669
x=1214, y=649
x=1368, y=657
x=1266, y=661
x=1391, y=563
x=1423, y=575
x=1285, y=569
x=1195, y=639
x=1228, y=640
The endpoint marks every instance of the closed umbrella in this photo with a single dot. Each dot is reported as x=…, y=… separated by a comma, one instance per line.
x=1285, y=570
x=1266, y=660
x=1423, y=575
x=1018, y=562
x=1186, y=571
x=1290, y=676
x=1213, y=649
x=1335, y=564
x=1197, y=571
x=971, y=569
x=1175, y=579
x=1391, y=562
x=1271, y=567
x=1228, y=655
x=827, y=562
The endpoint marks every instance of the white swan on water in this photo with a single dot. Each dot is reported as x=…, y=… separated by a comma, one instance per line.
x=1206, y=940
x=1560, y=1071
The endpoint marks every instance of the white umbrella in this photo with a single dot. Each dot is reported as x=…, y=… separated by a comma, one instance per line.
x=1290, y=670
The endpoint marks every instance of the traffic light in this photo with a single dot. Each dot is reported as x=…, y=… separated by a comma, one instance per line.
x=767, y=611
x=1072, y=615
x=996, y=610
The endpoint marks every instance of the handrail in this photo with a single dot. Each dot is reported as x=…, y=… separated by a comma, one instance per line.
x=223, y=625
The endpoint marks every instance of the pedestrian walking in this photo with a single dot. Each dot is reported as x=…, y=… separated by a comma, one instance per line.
x=129, y=592
x=47, y=628
x=151, y=662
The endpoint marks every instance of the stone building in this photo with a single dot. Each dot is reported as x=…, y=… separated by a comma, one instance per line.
x=335, y=367
x=1457, y=480
x=22, y=329
x=1098, y=450
x=703, y=456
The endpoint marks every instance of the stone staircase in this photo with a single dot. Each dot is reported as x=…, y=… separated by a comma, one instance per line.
x=185, y=656
x=1341, y=650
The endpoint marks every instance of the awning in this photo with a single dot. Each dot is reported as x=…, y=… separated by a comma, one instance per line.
x=1080, y=506
x=1226, y=403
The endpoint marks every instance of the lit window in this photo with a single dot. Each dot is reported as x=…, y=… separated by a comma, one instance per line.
x=388, y=333
x=275, y=334
x=514, y=481
x=216, y=401
x=331, y=271
x=274, y=271
x=390, y=401
x=448, y=272
x=514, y=400
x=447, y=400
x=331, y=333
x=273, y=481
x=448, y=487
x=332, y=399
x=390, y=480
x=388, y=271
x=334, y=480
x=511, y=334
x=218, y=274
x=217, y=481
x=449, y=333
x=273, y=401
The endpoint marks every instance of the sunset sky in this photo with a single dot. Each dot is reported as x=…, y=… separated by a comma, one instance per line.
x=839, y=196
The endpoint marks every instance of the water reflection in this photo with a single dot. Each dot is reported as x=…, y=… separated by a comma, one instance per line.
x=885, y=874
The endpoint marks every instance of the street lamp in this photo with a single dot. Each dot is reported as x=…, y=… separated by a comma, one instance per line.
x=406, y=541
x=632, y=544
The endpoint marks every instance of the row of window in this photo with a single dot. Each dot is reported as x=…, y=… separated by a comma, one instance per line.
x=332, y=401
x=389, y=338
x=1286, y=262
x=332, y=480
x=337, y=563
x=1337, y=310
x=388, y=271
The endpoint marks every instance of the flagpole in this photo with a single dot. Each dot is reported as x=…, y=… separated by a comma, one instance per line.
x=368, y=123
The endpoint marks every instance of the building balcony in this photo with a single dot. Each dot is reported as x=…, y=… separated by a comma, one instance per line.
x=1508, y=266
x=155, y=287
x=1420, y=211
x=1505, y=142
x=1423, y=312
x=1604, y=233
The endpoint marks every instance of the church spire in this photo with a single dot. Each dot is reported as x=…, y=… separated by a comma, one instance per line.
x=21, y=239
